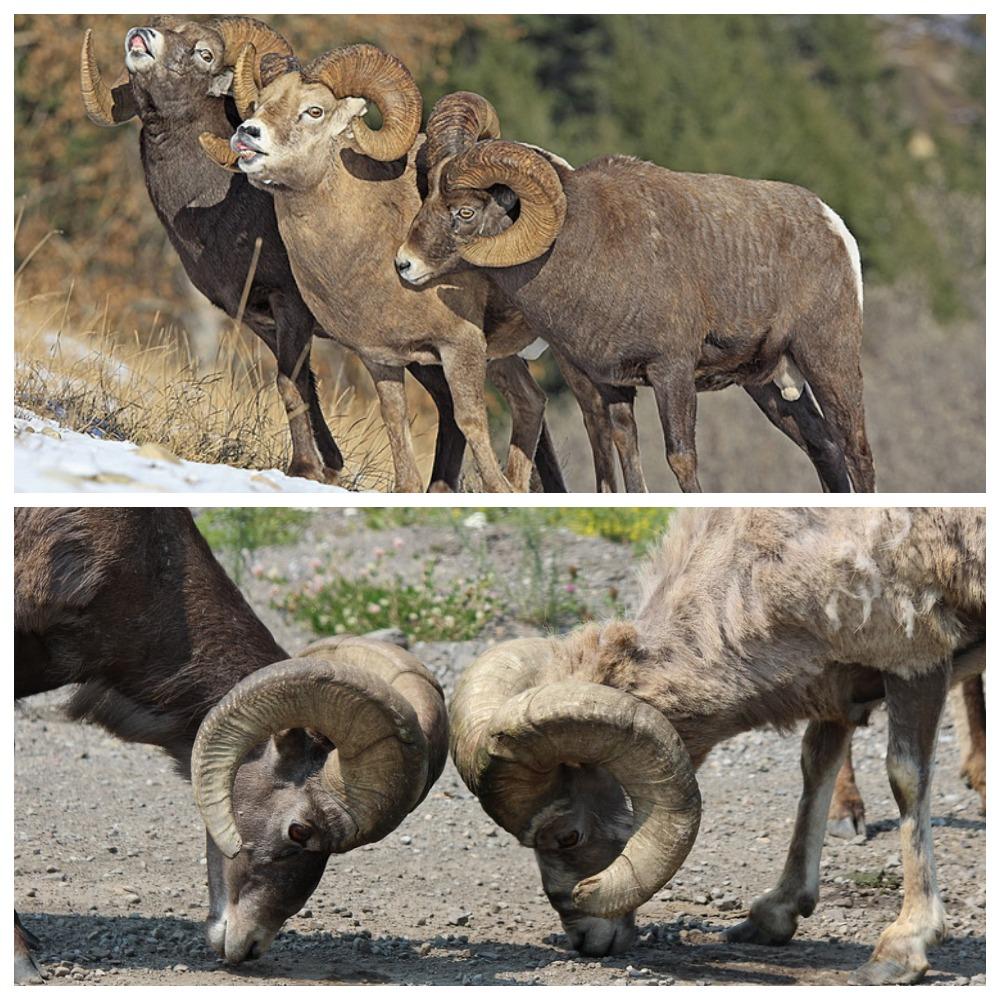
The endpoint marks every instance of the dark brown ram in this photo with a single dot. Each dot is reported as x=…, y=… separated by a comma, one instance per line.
x=291, y=760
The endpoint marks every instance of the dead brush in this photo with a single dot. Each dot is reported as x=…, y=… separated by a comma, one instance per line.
x=149, y=389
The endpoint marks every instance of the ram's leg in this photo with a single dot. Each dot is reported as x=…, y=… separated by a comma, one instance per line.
x=315, y=454
x=834, y=377
x=596, y=421
x=914, y=707
x=620, y=401
x=449, y=446
x=969, y=701
x=774, y=916
x=801, y=421
x=549, y=472
x=26, y=972
x=391, y=391
x=847, y=810
x=527, y=412
x=677, y=401
x=464, y=362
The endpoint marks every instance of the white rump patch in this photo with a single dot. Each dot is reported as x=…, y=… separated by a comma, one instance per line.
x=551, y=157
x=836, y=223
x=534, y=350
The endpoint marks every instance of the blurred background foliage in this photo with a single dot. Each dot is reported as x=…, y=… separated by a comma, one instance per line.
x=876, y=114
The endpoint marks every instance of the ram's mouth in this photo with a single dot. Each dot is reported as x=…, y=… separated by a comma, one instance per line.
x=247, y=151
x=139, y=45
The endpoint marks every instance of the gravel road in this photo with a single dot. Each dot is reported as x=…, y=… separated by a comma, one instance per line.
x=109, y=850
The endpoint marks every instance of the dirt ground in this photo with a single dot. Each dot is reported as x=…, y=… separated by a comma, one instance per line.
x=109, y=850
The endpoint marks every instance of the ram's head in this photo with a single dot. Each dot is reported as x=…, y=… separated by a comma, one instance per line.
x=490, y=203
x=303, y=759
x=172, y=65
x=594, y=780
x=298, y=121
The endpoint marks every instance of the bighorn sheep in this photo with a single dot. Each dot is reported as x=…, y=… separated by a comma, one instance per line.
x=179, y=75
x=343, y=196
x=685, y=282
x=749, y=618
x=291, y=760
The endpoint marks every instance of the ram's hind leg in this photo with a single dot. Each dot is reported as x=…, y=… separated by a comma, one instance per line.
x=969, y=702
x=800, y=421
x=914, y=707
x=775, y=915
x=847, y=810
x=26, y=972
x=677, y=401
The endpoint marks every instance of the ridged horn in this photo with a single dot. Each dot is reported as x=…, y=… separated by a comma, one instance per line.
x=357, y=693
x=246, y=80
x=105, y=107
x=368, y=72
x=219, y=151
x=239, y=31
x=535, y=182
x=459, y=121
x=510, y=734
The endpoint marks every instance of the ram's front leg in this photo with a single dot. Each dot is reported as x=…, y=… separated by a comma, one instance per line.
x=673, y=385
x=774, y=916
x=527, y=412
x=391, y=389
x=914, y=707
x=464, y=363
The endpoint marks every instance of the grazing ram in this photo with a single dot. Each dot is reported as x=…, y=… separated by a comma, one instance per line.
x=686, y=282
x=749, y=618
x=291, y=760
x=179, y=76
x=344, y=195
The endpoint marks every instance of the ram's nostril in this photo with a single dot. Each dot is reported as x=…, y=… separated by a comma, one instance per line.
x=402, y=265
x=251, y=130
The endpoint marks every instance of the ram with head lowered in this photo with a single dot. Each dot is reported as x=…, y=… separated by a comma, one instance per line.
x=291, y=759
x=586, y=747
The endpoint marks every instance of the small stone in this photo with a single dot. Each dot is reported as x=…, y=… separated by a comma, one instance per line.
x=180, y=968
x=406, y=840
x=460, y=919
x=424, y=949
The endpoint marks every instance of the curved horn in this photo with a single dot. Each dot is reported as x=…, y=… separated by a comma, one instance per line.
x=219, y=151
x=368, y=72
x=105, y=107
x=379, y=770
x=239, y=31
x=512, y=754
x=459, y=121
x=245, y=81
x=535, y=182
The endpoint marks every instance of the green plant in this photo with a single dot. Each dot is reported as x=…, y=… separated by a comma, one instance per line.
x=637, y=526
x=424, y=610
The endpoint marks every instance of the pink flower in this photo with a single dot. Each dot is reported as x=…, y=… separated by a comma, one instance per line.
x=570, y=588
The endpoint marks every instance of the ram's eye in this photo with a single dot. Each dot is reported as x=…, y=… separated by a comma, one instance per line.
x=570, y=839
x=314, y=112
x=465, y=214
x=206, y=54
x=299, y=833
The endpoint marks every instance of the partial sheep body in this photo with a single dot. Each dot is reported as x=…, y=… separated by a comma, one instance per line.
x=131, y=605
x=749, y=618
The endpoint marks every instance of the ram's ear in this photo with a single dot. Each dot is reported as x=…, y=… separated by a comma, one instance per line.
x=222, y=84
x=346, y=111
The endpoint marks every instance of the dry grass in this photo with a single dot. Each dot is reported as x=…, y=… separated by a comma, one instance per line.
x=73, y=366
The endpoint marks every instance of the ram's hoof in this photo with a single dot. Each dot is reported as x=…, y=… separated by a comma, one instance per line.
x=887, y=972
x=26, y=973
x=752, y=932
x=846, y=827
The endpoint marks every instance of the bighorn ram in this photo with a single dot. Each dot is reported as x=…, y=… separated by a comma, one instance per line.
x=749, y=618
x=344, y=195
x=291, y=760
x=685, y=282
x=179, y=76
